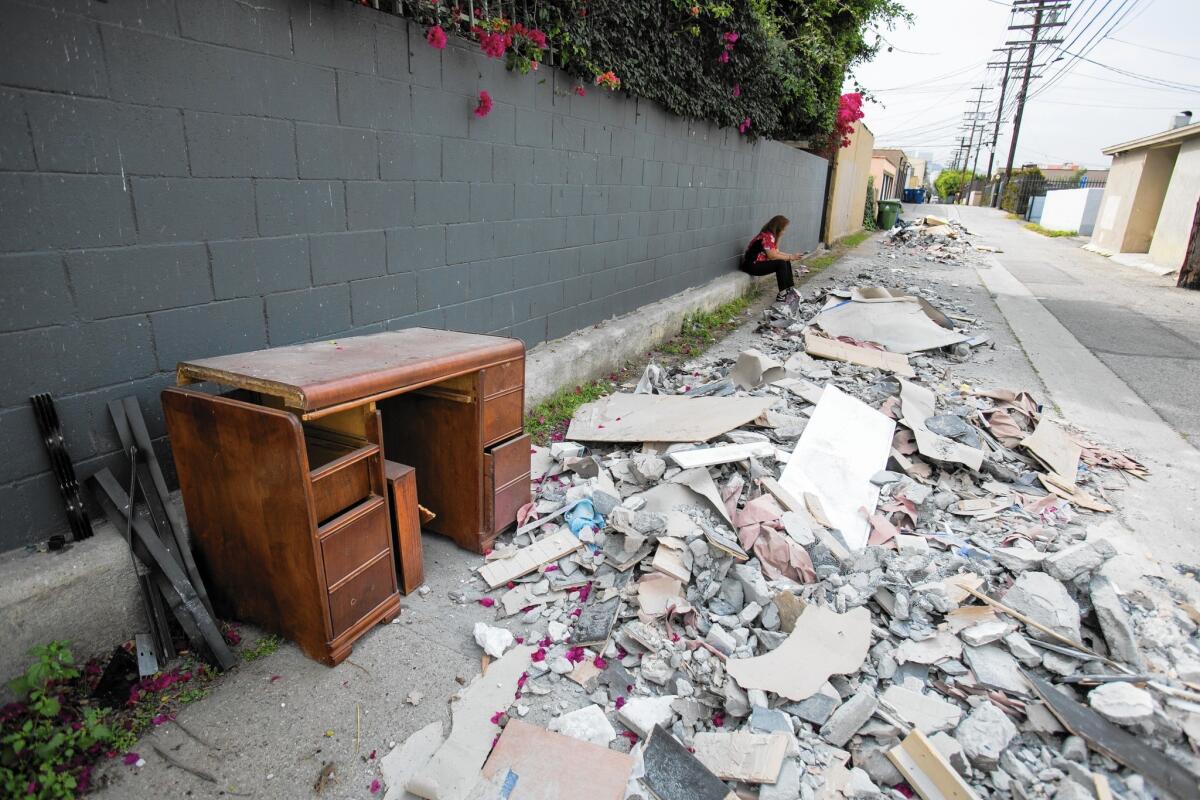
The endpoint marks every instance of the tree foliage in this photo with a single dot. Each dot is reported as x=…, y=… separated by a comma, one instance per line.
x=951, y=181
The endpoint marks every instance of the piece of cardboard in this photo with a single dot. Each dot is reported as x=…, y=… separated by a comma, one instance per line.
x=917, y=404
x=927, y=770
x=742, y=756
x=672, y=773
x=662, y=418
x=825, y=642
x=898, y=324
x=550, y=766
x=529, y=558
x=1055, y=448
x=820, y=347
x=845, y=443
x=451, y=772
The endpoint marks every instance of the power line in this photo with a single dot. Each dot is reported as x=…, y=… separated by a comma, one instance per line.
x=1155, y=49
x=1138, y=76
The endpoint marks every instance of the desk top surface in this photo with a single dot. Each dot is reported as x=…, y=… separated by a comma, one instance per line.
x=318, y=375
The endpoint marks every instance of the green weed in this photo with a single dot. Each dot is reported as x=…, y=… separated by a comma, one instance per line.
x=1033, y=226
x=262, y=648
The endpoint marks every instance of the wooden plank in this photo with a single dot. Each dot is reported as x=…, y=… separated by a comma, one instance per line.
x=820, y=347
x=927, y=770
x=1124, y=748
x=527, y=559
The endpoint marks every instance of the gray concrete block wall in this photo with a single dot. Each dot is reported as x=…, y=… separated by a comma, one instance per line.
x=182, y=179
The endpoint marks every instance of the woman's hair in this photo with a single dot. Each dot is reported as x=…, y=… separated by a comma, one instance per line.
x=775, y=225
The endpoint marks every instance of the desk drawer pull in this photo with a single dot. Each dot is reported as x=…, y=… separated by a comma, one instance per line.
x=362, y=593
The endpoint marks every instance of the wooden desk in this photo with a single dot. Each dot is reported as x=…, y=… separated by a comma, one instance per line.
x=283, y=475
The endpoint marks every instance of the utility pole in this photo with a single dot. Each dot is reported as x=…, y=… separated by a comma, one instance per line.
x=974, y=120
x=996, y=127
x=1040, y=9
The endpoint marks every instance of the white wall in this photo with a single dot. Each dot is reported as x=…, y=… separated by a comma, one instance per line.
x=1179, y=206
x=1072, y=210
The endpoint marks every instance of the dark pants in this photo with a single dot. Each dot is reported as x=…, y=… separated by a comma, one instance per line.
x=782, y=270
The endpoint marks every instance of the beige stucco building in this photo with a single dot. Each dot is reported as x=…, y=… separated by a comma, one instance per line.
x=890, y=168
x=848, y=197
x=1151, y=195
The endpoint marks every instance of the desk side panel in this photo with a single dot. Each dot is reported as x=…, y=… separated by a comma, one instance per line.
x=244, y=477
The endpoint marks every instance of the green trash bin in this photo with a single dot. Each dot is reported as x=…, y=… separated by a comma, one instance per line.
x=889, y=212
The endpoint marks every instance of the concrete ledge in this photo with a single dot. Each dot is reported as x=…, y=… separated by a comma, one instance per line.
x=88, y=596
x=593, y=352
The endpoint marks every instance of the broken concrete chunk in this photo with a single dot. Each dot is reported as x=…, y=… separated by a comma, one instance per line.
x=848, y=718
x=641, y=714
x=1078, y=559
x=984, y=734
x=494, y=641
x=925, y=712
x=786, y=785
x=749, y=757
x=816, y=708
x=1022, y=650
x=949, y=747
x=1043, y=598
x=1018, y=559
x=996, y=669
x=985, y=633
x=939, y=647
x=587, y=724
x=721, y=639
x=1115, y=622
x=1122, y=703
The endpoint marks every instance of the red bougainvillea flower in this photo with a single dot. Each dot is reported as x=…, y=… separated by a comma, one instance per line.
x=608, y=80
x=744, y=126
x=496, y=717
x=436, y=37
x=575, y=655
x=600, y=662
x=487, y=602
x=737, y=90
x=538, y=655
x=724, y=57
x=130, y=759
x=631, y=736
x=376, y=786
x=731, y=37
x=493, y=44
x=545, y=642
x=849, y=111
x=718, y=720
x=619, y=702
x=485, y=105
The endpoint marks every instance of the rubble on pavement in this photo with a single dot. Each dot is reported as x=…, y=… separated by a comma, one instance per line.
x=712, y=601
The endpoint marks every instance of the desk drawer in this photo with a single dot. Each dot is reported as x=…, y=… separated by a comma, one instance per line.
x=353, y=539
x=362, y=593
x=502, y=377
x=342, y=482
x=502, y=415
x=506, y=482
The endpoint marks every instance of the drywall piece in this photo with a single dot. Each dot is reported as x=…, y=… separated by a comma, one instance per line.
x=595, y=622
x=1124, y=748
x=897, y=323
x=529, y=558
x=662, y=418
x=917, y=404
x=399, y=765
x=658, y=592
x=724, y=454
x=1055, y=448
x=587, y=724
x=927, y=770
x=925, y=712
x=805, y=390
x=878, y=294
x=550, y=766
x=700, y=481
x=995, y=668
x=754, y=368
x=453, y=769
x=845, y=443
x=742, y=756
x=669, y=561
x=521, y=596
x=969, y=616
x=672, y=773
x=825, y=642
x=1074, y=494
x=939, y=647
x=821, y=347
x=680, y=492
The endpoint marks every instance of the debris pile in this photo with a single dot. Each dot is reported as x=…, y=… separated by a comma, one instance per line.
x=816, y=570
x=933, y=239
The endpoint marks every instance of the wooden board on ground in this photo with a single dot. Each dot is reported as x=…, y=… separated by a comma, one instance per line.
x=820, y=347
x=527, y=559
x=662, y=418
x=550, y=766
x=1124, y=748
x=927, y=770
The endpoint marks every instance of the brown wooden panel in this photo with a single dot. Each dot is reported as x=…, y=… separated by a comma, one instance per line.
x=503, y=377
x=406, y=525
x=354, y=538
x=362, y=593
x=244, y=476
x=343, y=482
x=506, y=501
x=439, y=438
x=502, y=415
x=510, y=460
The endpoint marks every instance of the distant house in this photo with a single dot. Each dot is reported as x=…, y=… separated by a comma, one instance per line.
x=1151, y=195
x=890, y=168
x=918, y=179
x=1065, y=172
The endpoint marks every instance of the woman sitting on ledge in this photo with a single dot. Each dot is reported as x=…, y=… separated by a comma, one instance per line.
x=762, y=257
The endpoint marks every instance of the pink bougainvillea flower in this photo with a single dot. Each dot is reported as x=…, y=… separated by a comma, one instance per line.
x=575, y=655
x=376, y=786
x=619, y=702
x=496, y=717
x=372, y=756
x=731, y=37
x=487, y=602
x=436, y=37
x=485, y=105
x=608, y=80
x=579, y=90
x=538, y=655
x=737, y=90
x=162, y=719
x=521, y=680
x=130, y=759
x=545, y=642
x=718, y=719
x=745, y=126
x=631, y=736
x=577, y=612
x=724, y=57
x=600, y=662
x=537, y=37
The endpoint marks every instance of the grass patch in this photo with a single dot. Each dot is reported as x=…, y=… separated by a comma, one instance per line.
x=262, y=648
x=1013, y=216
x=548, y=421
x=839, y=249
x=1033, y=226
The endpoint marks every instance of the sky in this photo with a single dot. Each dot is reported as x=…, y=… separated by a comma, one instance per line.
x=922, y=87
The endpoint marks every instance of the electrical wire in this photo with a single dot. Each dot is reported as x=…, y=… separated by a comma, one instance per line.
x=1155, y=49
x=1187, y=87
